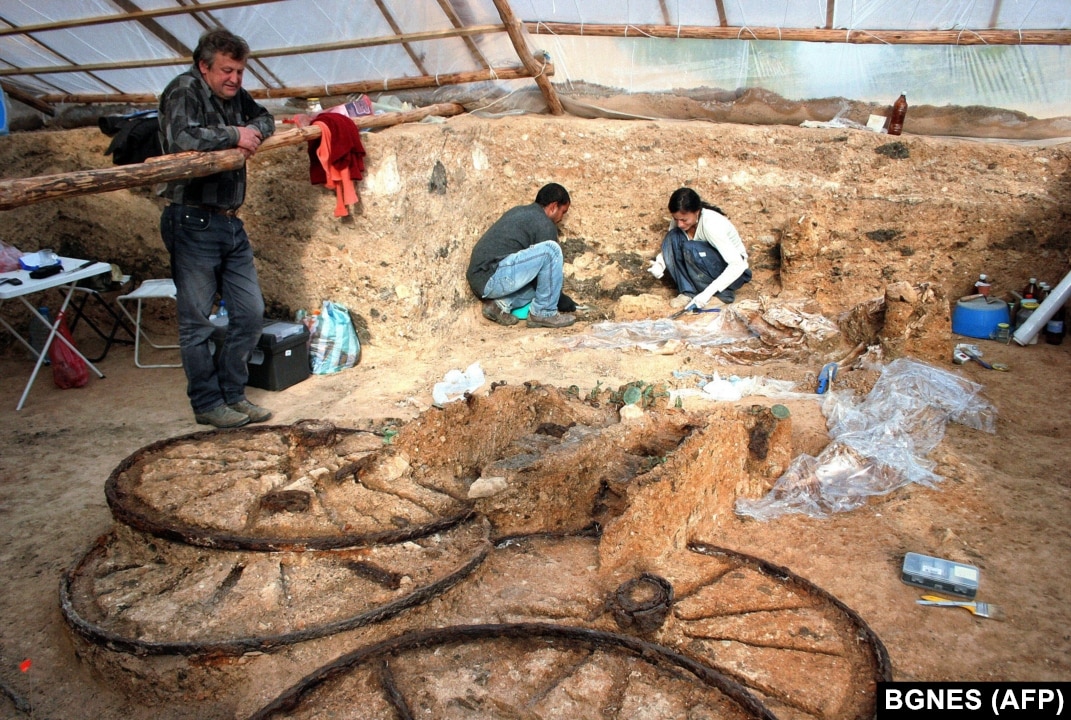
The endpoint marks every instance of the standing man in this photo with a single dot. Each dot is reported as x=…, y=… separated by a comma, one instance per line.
x=205, y=108
x=518, y=261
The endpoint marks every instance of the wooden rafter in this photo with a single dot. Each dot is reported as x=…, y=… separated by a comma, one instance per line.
x=14, y=92
x=513, y=28
x=27, y=191
x=862, y=37
x=277, y=52
x=154, y=28
x=455, y=20
x=389, y=17
x=723, y=19
x=338, y=89
x=665, y=12
x=129, y=16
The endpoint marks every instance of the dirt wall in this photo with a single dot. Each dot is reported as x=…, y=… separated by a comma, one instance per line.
x=830, y=214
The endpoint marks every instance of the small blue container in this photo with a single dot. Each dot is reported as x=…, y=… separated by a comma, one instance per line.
x=3, y=113
x=977, y=318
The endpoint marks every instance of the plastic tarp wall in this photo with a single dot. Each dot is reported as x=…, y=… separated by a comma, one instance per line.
x=1032, y=79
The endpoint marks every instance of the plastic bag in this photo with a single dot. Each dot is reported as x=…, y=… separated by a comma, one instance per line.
x=9, y=257
x=456, y=384
x=68, y=368
x=878, y=445
x=334, y=345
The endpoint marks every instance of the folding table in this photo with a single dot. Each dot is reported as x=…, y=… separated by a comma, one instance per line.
x=73, y=271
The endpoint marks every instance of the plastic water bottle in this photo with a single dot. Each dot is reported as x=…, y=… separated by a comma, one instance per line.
x=220, y=318
x=39, y=330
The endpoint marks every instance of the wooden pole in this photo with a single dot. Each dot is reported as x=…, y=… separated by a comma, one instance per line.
x=862, y=37
x=16, y=93
x=513, y=28
x=26, y=191
x=284, y=51
x=364, y=86
x=128, y=16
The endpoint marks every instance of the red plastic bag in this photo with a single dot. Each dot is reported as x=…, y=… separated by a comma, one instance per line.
x=68, y=369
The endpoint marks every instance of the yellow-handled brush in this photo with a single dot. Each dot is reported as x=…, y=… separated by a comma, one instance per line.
x=979, y=609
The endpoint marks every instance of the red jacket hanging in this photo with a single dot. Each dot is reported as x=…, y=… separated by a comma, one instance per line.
x=336, y=158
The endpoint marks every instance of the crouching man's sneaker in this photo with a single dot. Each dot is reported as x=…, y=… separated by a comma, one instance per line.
x=256, y=413
x=222, y=417
x=557, y=320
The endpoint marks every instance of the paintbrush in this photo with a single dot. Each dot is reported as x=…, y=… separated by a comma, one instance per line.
x=978, y=609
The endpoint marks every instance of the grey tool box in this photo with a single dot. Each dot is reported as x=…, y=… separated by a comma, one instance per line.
x=942, y=575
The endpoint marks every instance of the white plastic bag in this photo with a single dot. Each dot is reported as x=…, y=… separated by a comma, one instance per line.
x=456, y=383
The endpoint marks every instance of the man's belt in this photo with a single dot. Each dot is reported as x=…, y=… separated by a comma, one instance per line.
x=227, y=212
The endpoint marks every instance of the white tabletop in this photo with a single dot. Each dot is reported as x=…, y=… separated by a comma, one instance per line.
x=73, y=271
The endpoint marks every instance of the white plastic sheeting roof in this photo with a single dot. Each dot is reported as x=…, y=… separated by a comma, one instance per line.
x=959, y=52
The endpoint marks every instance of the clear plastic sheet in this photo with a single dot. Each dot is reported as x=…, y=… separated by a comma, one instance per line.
x=878, y=445
x=734, y=387
x=747, y=322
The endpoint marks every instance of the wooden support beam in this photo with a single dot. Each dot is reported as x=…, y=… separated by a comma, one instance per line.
x=129, y=16
x=259, y=54
x=723, y=19
x=448, y=9
x=860, y=37
x=27, y=191
x=363, y=86
x=16, y=93
x=389, y=17
x=513, y=28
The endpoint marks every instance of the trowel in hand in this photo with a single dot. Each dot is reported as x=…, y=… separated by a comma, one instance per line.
x=693, y=309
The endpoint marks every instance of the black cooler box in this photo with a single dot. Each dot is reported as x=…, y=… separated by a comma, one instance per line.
x=281, y=357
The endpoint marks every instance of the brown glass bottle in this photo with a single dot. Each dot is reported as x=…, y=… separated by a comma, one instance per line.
x=1030, y=292
x=899, y=112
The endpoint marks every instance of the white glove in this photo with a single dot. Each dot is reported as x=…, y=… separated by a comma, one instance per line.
x=658, y=267
x=699, y=302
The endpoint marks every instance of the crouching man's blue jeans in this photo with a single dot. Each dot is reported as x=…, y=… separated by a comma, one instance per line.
x=532, y=275
x=210, y=254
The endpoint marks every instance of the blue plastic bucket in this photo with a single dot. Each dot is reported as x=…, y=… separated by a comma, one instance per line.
x=3, y=112
x=977, y=318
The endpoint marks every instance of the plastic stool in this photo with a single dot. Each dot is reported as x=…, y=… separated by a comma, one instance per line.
x=149, y=289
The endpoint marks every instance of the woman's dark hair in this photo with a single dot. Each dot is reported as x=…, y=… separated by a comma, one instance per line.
x=219, y=41
x=687, y=200
x=552, y=193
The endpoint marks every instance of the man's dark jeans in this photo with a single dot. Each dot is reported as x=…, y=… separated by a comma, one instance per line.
x=210, y=254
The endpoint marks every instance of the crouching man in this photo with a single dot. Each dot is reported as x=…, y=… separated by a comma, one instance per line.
x=519, y=261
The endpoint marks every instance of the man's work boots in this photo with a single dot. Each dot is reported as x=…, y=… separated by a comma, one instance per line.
x=256, y=413
x=558, y=320
x=493, y=311
x=222, y=417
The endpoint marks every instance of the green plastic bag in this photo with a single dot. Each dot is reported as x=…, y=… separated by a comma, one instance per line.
x=333, y=345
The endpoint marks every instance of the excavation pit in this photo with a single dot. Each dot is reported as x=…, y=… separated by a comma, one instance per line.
x=274, y=550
